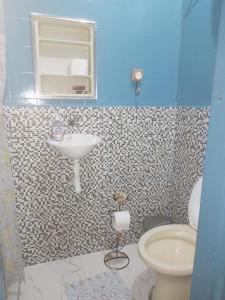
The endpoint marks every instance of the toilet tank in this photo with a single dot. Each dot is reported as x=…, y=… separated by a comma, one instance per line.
x=194, y=204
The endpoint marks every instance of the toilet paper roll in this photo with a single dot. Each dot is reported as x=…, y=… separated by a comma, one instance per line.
x=121, y=220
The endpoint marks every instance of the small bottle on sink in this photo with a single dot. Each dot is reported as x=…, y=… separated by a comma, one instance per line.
x=57, y=131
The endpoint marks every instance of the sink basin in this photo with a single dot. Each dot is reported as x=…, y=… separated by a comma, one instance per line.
x=76, y=145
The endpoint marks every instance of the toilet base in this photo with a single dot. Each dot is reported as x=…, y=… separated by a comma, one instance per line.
x=171, y=287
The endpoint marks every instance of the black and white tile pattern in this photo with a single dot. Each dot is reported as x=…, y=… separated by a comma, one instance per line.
x=153, y=154
x=189, y=150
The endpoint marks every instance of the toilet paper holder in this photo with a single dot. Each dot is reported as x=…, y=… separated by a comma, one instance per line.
x=117, y=259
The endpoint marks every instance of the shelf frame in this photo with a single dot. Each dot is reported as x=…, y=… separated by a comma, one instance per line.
x=91, y=25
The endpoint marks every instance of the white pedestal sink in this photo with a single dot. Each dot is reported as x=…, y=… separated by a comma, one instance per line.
x=76, y=146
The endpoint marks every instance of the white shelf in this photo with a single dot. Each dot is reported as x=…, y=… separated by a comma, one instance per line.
x=64, y=29
x=67, y=96
x=77, y=43
x=64, y=57
x=60, y=75
x=57, y=85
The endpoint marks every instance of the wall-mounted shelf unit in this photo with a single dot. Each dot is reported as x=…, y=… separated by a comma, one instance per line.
x=64, y=55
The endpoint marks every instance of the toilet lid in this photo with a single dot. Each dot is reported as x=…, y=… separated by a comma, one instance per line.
x=194, y=204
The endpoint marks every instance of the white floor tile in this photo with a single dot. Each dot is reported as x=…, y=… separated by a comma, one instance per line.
x=48, y=281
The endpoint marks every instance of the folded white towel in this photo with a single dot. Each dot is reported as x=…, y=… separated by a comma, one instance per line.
x=79, y=67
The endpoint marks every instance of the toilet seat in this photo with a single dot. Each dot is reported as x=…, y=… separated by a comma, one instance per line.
x=169, y=249
x=194, y=204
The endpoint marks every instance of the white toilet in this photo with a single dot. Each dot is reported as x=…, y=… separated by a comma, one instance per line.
x=169, y=250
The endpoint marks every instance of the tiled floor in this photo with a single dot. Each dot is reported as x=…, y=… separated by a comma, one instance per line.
x=48, y=281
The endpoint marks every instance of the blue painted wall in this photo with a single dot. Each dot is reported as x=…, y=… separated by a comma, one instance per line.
x=130, y=34
x=198, y=51
x=209, y=272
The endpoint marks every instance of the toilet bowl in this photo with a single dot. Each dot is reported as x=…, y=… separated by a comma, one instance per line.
x=169, y=250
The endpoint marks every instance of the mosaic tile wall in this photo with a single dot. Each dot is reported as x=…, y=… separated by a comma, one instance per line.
x=189, y=149
x=154, y=154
